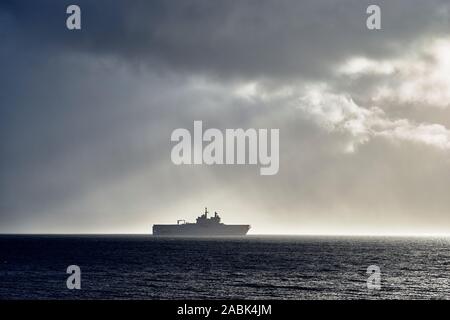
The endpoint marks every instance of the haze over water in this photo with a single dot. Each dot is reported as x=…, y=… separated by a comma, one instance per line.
x=253, y=267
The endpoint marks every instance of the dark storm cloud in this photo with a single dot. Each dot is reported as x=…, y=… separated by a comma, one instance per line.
x=230, y=38
x=86, y=116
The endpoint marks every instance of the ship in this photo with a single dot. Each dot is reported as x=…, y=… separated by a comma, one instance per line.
x=203, y=227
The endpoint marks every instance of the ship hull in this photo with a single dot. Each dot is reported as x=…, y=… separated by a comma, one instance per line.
x=194, y=230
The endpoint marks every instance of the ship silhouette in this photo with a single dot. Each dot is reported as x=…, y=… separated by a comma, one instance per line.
x=204, y=226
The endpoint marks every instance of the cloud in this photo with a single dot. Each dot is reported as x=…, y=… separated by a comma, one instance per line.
x=86, y=117
x=421, y=75
x=358, y=66
x=338, y=112
x=248, y=39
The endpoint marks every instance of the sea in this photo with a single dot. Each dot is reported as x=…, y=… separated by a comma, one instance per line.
x=251, y=267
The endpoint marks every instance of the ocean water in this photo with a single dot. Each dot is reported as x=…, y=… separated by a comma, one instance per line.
x=254, y=267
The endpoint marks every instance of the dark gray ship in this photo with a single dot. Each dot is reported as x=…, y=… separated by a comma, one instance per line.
x=204, y=226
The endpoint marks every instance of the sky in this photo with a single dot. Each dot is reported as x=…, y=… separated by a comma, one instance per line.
x=364, y=115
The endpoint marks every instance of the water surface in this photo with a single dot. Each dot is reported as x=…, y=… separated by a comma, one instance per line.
x=252, y=267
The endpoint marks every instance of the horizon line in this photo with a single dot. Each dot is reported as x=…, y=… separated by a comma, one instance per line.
x=402, y=235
